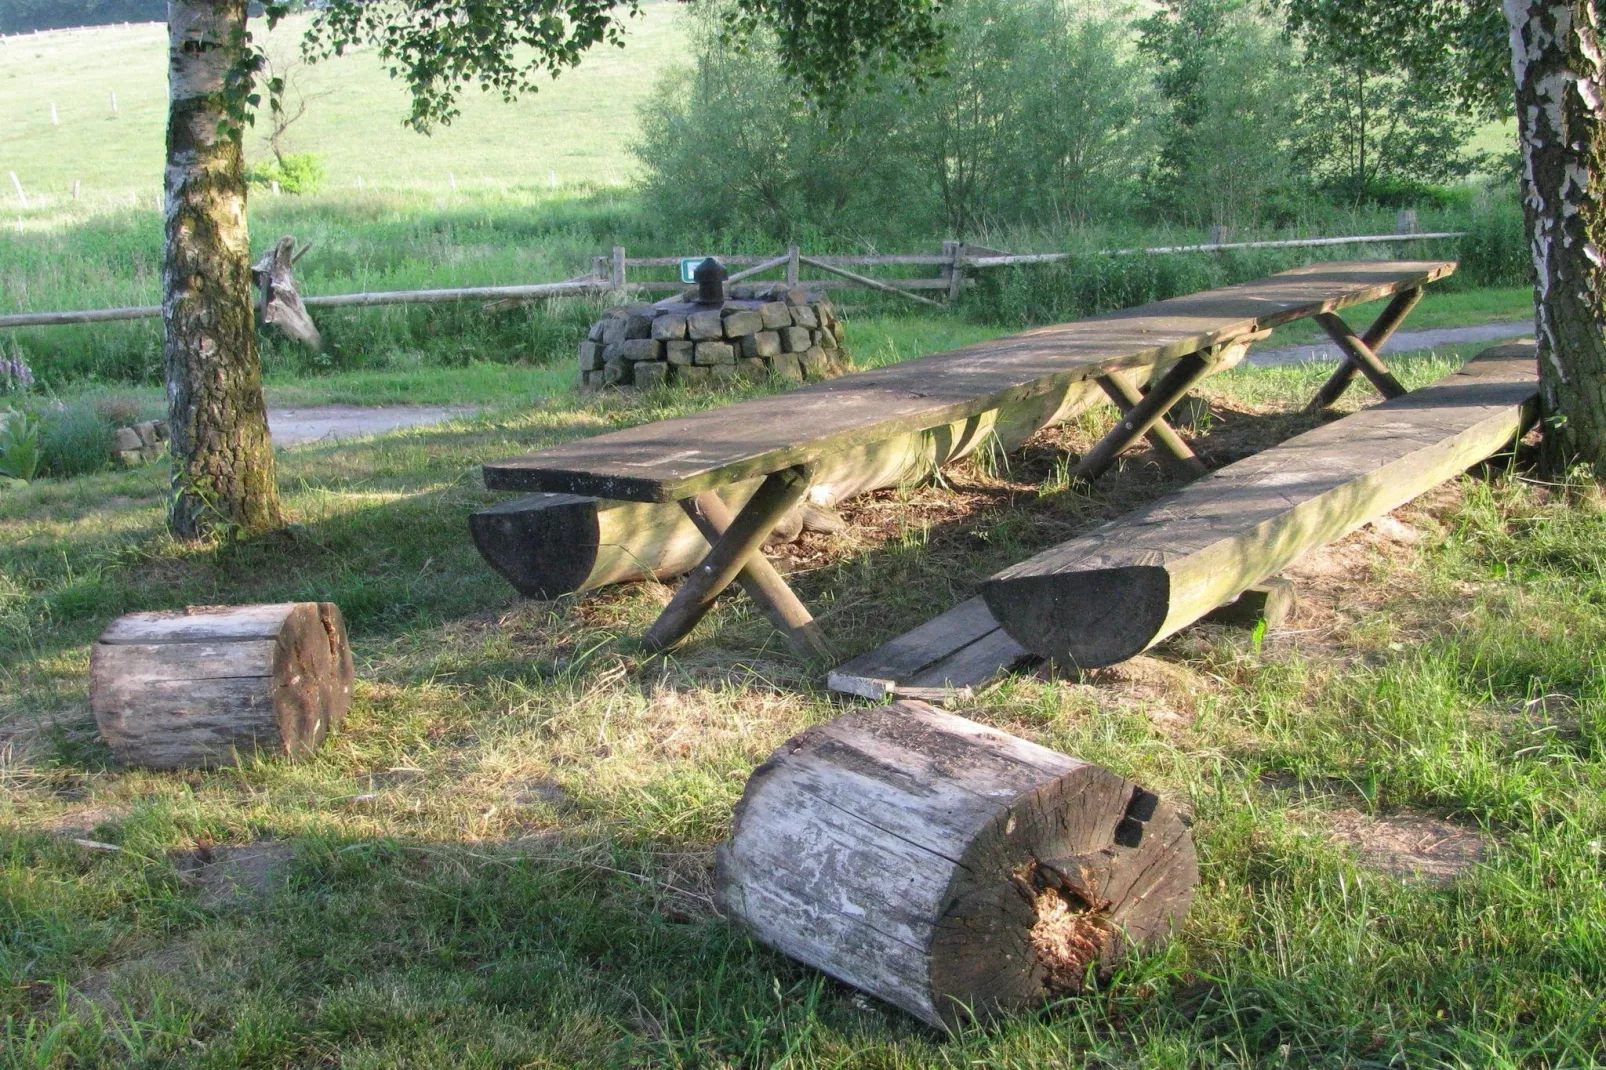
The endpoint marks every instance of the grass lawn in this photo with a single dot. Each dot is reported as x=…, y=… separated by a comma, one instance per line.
x=503, y=858
x=576, y=131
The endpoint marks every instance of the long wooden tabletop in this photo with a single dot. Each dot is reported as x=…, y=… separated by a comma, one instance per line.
x=674, y=459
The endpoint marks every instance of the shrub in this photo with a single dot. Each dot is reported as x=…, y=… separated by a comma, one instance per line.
x=19, y=446
x=1495, y=250
x=297, y=173
x=75, y=440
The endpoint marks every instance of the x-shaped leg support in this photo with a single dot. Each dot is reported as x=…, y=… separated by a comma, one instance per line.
x=1360, y=353
x=736, y=555
x=1144, y=414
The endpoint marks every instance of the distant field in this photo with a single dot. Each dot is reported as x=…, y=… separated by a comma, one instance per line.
x=576, y=131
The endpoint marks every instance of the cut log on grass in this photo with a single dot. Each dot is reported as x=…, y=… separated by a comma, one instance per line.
x=209, y=685
x=1110, y=594
x=948, y=868
x=547, y=545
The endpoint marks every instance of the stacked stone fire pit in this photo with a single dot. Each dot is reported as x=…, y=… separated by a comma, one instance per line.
x=758, y=332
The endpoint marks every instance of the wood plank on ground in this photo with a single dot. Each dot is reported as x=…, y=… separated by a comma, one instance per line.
x=674, y=459
x=1110, y=594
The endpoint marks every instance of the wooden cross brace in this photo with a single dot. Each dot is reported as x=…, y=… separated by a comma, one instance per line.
x=736, y=555
x=1143, y=415
x=1360, y=354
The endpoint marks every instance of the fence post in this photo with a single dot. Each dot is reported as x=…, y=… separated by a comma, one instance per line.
x=618, y=272
x=1405, y=222
x=953, y=272
x=792, y=265
x=1218, y=235
x=21, y=196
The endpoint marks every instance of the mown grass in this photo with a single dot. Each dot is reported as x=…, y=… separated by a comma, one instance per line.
x=503, y=857
x=576, y=130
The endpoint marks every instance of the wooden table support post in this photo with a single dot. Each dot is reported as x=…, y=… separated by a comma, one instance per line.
x=1163, y=436
x=742, y=540
x=760, y=580
x=1146, y=414
x=1379, y=332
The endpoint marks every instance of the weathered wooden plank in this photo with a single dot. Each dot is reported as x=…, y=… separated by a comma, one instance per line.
x=547, y=545
x=880, y=673
x=948, y=868
x=674, y=459
x=1114, y=592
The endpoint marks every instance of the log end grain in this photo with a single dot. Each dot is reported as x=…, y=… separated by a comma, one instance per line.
x=212, y=685
x=545, y=545
x=1082, y=620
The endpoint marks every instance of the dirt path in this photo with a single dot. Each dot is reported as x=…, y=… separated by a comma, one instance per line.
x=1402, y=342
x=319, y=423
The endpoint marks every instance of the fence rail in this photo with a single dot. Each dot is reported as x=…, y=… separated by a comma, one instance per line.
x=610, y=274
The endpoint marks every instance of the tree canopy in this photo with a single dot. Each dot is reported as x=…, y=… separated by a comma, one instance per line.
x=509, y=46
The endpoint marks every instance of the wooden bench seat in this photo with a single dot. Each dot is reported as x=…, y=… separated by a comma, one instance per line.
x=1105, y=596
x=781, y=439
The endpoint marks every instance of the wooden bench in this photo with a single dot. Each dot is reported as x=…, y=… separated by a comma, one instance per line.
x=1102, y=597
x=780, y=440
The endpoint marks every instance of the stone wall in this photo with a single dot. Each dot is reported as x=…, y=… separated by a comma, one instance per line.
x=759, y=332
x=140, y=444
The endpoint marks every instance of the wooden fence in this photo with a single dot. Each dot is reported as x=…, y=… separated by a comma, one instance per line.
x=612, y=274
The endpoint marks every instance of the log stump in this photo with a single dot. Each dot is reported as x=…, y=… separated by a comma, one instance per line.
x=948, y=868
x=209, y=685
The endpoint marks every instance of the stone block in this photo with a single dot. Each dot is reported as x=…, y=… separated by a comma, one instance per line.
x=651, y=373
x=742, y=291
x=715, y=353
x=613, y=351
x=787, y=367
x=150, y=438
x=797, y=295
x=741, y=322
x=816, y=365
x=725, y=371
x=705, y=326
x=762, y=344
x=775, y=314
x=595, y=334
x=613, y=328
x=680, y=353
x=638, y=321
x=795, y=339
x=804, y=316
x=827, y=339
x=692, y=374
x=754, y=371
x=837, y=332
x=590, y=380
x=634, y=349
x=618, y=372
x=590, y=356
x=668, y=328
x=125, y=439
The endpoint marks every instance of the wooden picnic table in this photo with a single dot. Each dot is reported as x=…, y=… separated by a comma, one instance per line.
x=779, y=436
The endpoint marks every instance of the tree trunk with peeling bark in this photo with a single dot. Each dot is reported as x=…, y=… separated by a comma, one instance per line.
x=1560, y=79
x=223, y=471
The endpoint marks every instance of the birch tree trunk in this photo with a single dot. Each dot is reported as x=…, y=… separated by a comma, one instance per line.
x=223, y=472
x=1560, y=77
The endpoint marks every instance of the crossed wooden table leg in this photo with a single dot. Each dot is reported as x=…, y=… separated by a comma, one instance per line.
x=1143, y=415
x=736, y=554
x=1360, y=354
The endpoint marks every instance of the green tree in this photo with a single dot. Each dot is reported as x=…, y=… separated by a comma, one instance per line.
x=1550, y=53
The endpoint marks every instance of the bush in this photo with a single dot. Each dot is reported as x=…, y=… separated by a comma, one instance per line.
x=75, y=440
x=1495, y=250
x=298, y=173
